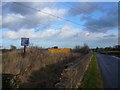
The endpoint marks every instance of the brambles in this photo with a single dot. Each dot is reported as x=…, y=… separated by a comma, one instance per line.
x=39, y=66
x=84, y=49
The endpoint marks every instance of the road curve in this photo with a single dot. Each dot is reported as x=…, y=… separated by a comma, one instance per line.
x=109, y=68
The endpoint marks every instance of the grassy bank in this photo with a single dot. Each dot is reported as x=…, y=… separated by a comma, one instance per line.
x=38, y=66
x=92, y=77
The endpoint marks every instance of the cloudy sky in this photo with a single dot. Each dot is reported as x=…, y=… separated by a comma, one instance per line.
x=62, y=24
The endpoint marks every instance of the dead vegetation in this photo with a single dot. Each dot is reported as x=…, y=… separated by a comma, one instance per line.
x=39, y=68
x=72, y=75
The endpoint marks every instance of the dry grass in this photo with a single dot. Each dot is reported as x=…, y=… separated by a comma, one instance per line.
x=38, y=65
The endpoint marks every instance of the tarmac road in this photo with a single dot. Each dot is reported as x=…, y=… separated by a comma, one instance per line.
x=109, y=68
x=0, y=62
x=0, y=70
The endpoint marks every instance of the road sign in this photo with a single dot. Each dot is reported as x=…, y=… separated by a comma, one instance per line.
x=24, y=41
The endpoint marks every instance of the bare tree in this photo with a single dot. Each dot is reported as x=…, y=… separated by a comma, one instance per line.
x=84, y=49
x=13, y=47
x=77, y=49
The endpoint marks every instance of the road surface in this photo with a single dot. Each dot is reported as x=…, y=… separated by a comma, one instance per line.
x=0, y=70
x=109, y=68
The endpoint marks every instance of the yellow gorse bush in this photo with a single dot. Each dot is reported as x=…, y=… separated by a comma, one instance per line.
x=60, y=50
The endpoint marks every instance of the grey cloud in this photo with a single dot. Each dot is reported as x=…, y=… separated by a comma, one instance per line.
x=31, y=19
x=28, y=22
x=38, y=19
x=110, y=36
x=15, y=8
x=18, y=7
x=85, y=17
x=84, y=8
x=0, y=8
x=107, y=21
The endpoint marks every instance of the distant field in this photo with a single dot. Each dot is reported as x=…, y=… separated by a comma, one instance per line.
x=113, y=53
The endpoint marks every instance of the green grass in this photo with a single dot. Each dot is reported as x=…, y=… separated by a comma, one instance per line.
x=114, y=51
x=92, y=77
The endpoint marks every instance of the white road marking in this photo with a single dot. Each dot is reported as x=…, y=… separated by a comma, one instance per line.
x=116, y=57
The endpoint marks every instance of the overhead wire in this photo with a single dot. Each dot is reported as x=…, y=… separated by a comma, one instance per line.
x=25, y=19
x=48, y=14
x=69, y=5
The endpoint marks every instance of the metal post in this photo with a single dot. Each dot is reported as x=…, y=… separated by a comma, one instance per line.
x=24, y=50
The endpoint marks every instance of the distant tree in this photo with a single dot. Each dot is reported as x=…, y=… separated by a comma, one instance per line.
x=85, y=49
x=97, y=49
x=117, y=47
x=31, y=45
x=55, y=47
x=77, y=49
x=13, y=47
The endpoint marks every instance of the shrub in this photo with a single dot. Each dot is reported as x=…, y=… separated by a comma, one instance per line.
x=77, y=49
x=36, y=58
x=84, y=49
x=13, y=47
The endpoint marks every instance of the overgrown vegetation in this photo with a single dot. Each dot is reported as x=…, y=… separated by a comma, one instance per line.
x=13, y=47
x=84, y=49
x=114, y=51
x=38, y=69
x=92, y=77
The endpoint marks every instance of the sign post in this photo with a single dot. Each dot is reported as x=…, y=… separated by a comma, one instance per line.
x=24, y=42
x=24, y=49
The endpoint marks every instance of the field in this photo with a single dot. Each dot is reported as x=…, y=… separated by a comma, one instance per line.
x=113, y=53
x=92, y=77
x=38, y=69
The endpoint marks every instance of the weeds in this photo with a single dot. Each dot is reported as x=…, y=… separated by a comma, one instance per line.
x=36, y=60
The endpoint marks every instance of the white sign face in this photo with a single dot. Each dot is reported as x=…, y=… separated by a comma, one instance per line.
x=24, y=41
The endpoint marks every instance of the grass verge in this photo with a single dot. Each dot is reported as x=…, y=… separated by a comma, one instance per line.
x=92, y=77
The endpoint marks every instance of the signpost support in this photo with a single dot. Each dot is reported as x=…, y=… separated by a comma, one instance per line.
x=24, y=50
